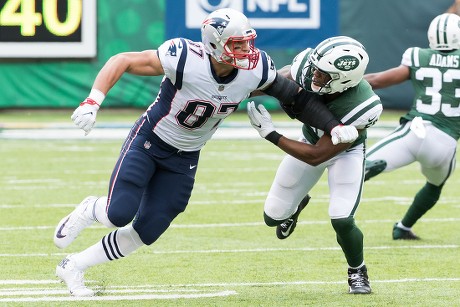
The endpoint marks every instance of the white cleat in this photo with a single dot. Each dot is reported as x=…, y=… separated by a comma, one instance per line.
x=73, y=278
x=71, y=225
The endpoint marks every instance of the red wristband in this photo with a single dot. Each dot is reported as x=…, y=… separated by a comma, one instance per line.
x=90, y=101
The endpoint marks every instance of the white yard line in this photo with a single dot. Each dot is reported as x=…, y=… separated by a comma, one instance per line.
x=253, y=250
x=115, y=132
x=120, y=293
x=248, y=224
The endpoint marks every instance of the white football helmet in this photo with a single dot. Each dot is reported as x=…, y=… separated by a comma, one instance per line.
x=341, y=60
x=224, y=28
x=444, y=32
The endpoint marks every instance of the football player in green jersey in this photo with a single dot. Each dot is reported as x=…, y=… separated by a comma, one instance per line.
x=334, y=69
x=428, y=133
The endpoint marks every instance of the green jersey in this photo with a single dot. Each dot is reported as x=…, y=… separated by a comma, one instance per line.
x=358, y=106
x=435, y=76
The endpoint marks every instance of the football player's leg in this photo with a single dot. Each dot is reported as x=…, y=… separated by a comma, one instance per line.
x=423, y=201
x=345, y=185
x=392, y=152
x=128, y=182
x=437, y=157
x=293, y=180
x=167, y=196
x=115, y=245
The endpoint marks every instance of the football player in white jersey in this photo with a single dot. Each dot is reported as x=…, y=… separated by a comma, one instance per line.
x=335, y=69
x=429, y=132
x=152, y=181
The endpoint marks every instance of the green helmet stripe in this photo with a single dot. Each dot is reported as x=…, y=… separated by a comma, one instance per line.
x=445, y=30
x=441, y=28
x=302, y=64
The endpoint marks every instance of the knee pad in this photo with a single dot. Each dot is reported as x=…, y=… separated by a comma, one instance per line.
x=118, y=218
x=149, y=231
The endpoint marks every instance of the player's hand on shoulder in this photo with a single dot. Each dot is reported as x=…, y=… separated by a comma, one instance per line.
x=344, y=134
x=84, y=117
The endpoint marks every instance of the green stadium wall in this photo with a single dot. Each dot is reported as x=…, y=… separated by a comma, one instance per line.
x=385, y=27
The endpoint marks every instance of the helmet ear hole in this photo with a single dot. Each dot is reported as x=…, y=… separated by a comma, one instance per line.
x=213, y=45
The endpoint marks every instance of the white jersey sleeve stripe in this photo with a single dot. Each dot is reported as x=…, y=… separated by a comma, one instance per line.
x=416, y=57
x=361, y=106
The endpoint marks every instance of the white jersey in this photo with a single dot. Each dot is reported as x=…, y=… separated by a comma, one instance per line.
x=193, y=101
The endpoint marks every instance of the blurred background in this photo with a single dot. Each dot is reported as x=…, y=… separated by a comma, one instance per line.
x=51, y=52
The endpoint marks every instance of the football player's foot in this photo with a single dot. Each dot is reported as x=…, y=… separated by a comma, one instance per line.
x=402, y=234
x=373, y=168
x=358, y=281
x=71, y=225
x=285, y=229
x=73, y=277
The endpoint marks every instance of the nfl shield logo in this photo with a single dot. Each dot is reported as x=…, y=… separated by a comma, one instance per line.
x=147, y=145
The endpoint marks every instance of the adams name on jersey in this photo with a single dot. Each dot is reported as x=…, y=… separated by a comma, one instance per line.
x=435, y=76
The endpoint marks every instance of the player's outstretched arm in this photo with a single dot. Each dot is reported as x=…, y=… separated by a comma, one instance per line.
x=388, y=77
x=322, y=151
x=145, y=63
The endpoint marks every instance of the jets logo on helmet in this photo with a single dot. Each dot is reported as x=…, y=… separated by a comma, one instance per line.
x=346, y=63
x=444, y=32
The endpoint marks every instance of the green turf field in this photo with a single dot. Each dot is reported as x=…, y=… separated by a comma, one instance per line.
x=219, y=252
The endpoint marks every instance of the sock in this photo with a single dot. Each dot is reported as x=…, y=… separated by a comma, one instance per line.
x=358, y=267
x=424, y=200
x=350, y=239
x=400, y=225
x=115, y=245
x=98, y=211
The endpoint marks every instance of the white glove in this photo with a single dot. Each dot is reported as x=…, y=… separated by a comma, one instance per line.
x=85, y=115
x=261, y=121
x=343, y=134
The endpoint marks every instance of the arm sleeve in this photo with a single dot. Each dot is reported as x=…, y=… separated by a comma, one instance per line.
x=285, y=91
x=307, y=107
x=314, y=112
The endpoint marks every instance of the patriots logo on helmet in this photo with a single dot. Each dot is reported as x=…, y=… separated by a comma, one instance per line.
x=218, y=23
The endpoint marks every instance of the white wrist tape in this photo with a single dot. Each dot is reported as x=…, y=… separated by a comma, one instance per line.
x=97, y=96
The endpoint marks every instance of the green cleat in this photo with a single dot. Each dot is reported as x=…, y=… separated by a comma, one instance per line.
x=373, y=168
x=401, y=234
